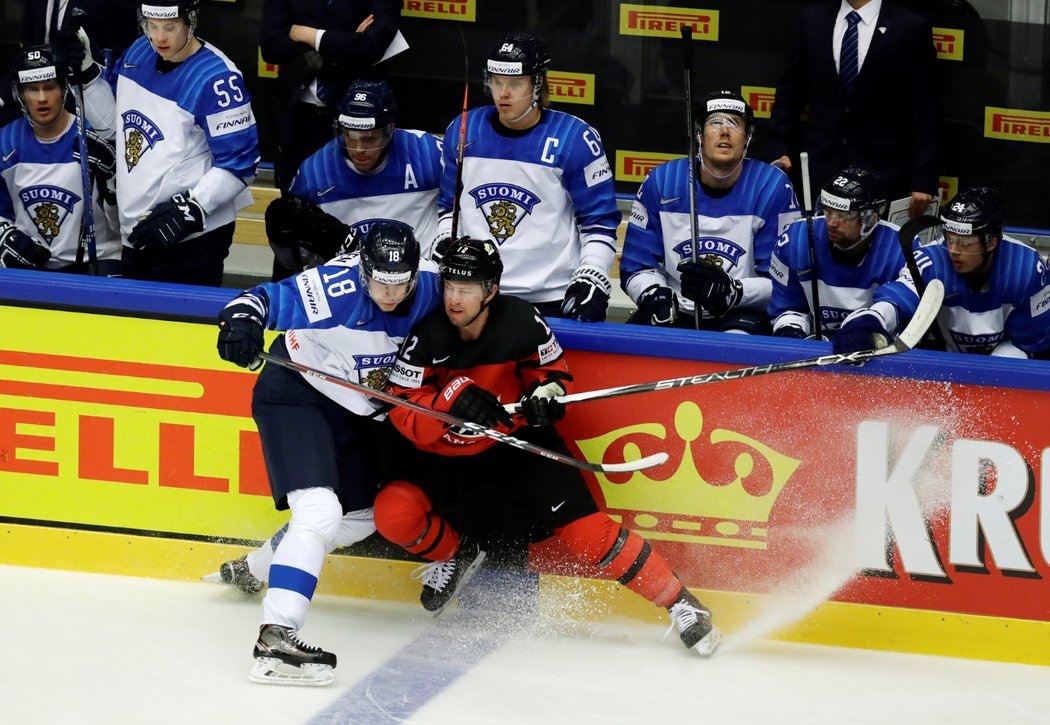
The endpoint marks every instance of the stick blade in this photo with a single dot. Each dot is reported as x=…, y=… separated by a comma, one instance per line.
x=641, y=464
x=924, y=317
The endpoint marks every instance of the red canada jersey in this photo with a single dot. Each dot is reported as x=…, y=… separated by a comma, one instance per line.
x=515, y=352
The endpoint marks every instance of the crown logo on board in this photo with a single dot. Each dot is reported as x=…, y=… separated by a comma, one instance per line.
x=731, y=508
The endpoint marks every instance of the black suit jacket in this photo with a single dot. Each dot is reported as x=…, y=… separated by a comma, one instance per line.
x=347, y=54
x=888, y=123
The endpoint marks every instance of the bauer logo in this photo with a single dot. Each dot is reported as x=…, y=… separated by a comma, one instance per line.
x=464, y=10
x=760, y=98
x=1013, y=124
x=636, y=165
x=140, y=136
x=949, y=43
x=571, y=87
x=731, y=511
x=668, y=22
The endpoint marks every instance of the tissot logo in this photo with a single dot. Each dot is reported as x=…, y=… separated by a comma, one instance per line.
x=1013, y=124
x=949, y=43
x=464, y=10
x=760, y=98
x=668, y=22
x=571, y=87
x=636, y=165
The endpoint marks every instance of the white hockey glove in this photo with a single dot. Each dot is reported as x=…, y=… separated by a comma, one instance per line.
x=168, y=223
x=18, y=250
x=587, y=296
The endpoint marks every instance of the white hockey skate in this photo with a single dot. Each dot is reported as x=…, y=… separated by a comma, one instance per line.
x=281, y=658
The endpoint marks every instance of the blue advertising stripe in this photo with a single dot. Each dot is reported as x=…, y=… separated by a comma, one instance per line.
x=292, y=579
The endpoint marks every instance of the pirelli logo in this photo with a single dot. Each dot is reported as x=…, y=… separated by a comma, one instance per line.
x=947, y=188
x=267, y=70
x=464, y=10
x=949, y=43
x=760, y=98
x=1014, y=124
x=571, y=87
x=667, y=22
x=636, y=165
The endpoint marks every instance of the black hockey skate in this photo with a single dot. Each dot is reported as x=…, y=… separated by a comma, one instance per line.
x=281, y=658
x=694, y=624
x=236, y=572
x=442, y=580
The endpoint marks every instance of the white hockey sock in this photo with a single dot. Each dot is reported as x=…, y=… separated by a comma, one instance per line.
x=353, y=527
x=259, y=559
x=316, y=516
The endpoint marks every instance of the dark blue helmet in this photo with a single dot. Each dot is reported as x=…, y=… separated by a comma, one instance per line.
x=367, y=105
x=517, y=54
x=979, y=210
x=390, y=252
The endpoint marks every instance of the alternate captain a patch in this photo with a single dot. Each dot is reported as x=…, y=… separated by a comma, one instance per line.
x=140, y=136
x=504, y=207
x=48, y=206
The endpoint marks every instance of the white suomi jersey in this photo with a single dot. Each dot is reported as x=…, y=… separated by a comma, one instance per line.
x=404, y=188
x=173, y=127
x=545, y=195
x=43, y=193
x=736, y=229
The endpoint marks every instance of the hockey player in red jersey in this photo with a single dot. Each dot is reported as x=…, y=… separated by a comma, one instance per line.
x=455, y=490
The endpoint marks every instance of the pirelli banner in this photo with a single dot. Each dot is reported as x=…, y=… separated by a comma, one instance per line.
x=909, y=491
x=618, y=65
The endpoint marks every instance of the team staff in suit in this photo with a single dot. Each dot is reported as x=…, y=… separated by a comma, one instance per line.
x=322, y=46
x=865, y=70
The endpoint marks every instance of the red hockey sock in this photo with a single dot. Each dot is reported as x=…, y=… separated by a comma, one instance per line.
x=405, y=516
x=599, y=540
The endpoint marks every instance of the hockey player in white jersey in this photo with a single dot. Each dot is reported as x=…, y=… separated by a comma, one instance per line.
x=348, y=318
x=538, y=183
x=370, y=171
x=854, y=253
x=42, y=197
x=742, y=207
x=996, y=289
x=187, y=149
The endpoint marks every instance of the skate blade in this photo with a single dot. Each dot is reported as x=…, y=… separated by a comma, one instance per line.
x=215, y=578
x=711, y=642
x=463, y=581
x=272, y=671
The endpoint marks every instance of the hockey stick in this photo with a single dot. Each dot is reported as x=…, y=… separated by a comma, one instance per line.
x=807, y=199
x=924, y=316
x=462, y=145
x=87, y=220
x=687, y=64
x=906, y=236
x=642, y=463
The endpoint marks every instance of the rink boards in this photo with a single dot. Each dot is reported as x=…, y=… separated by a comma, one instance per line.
x=908, y=492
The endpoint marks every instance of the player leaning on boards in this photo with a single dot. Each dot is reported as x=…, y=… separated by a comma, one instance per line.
x=187, y=149
x=996, y=289
x=42, y=220
x=854, y=253
x=453, y=489
x=538, y=182
x=371, y=171
x=742, y=206
x=346, y=317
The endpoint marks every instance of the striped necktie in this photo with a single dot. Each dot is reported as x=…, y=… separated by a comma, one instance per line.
x=849, y=64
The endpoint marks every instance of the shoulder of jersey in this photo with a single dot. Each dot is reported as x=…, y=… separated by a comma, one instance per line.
x=138, y=53
x=210, y=61
x=12, y=136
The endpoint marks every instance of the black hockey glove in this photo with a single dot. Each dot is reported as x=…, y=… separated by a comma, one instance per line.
x=168, y=223
x=241, y=325
x=18, y=250
x=73, y=52
x=793, y=332
x=657, y=306
x=294, y=224
x=441, y=246
x=709, y=286
x=541, y=406
x=587, y=296
x=102, y=162
x=864, y=329
x=464, y=398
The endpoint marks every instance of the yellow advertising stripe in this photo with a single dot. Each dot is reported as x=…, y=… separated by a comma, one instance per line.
x=831, y=623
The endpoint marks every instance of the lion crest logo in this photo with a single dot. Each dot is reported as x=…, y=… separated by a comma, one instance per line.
x=47, y=207
x=140, y=136
x=504, y=207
